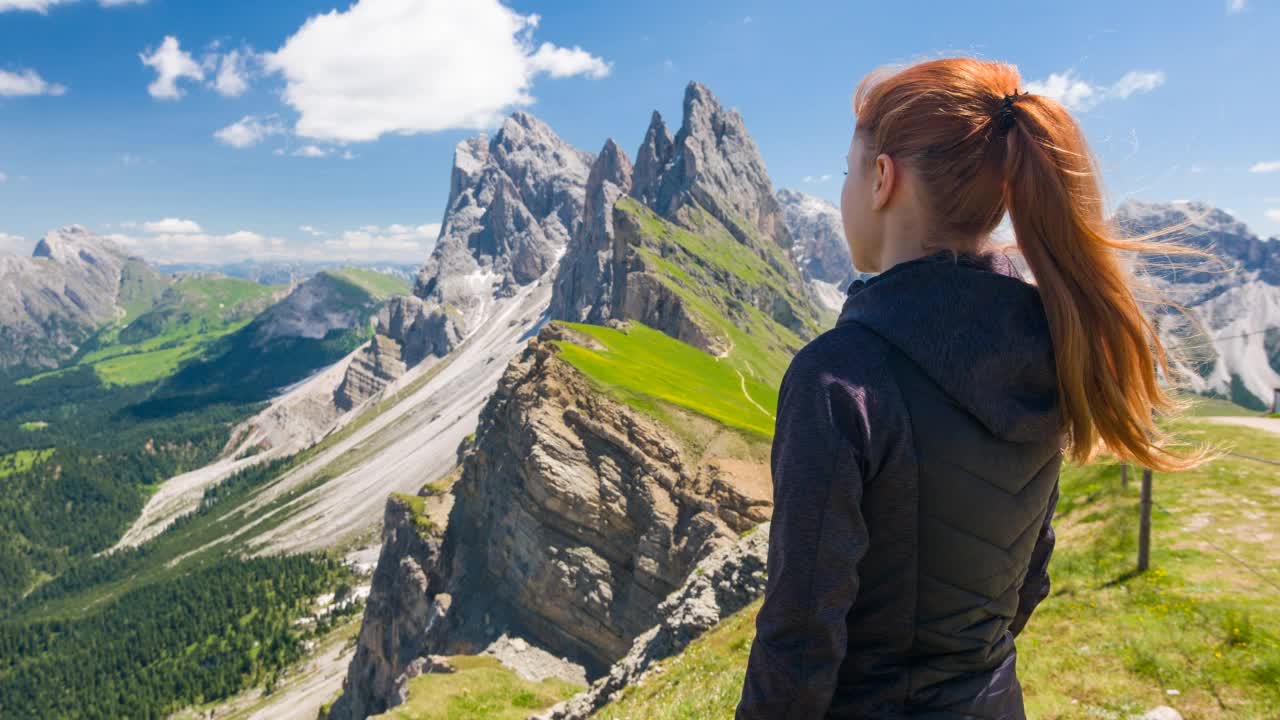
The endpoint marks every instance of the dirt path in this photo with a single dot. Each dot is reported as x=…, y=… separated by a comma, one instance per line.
x=743, y=379
x=1268, y=424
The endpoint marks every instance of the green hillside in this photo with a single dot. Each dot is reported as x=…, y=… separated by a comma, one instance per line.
x=718, y=278
x=647, y=369
x=154, y=339
x=1199, y=632
x=379, y=285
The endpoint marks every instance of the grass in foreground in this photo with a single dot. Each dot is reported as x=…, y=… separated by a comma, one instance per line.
x=644, y=367
x=1199, y=632
x=481, y=688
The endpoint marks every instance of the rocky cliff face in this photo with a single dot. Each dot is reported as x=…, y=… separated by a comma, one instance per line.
x=574, y=518
x=369, y=372
x=73, y=283
x=315, y=308
x=584, y=284
x=398, y=612
x=711, y=161
x=819, y=249
x=514, y=202
x=667, y=255
x=722, y=584
x=1229, y=340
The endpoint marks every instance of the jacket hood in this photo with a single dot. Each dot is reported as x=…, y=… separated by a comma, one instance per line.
x=976, y=329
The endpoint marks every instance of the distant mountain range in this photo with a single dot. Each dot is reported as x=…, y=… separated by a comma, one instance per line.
x=1229, y=338
x=558, y=424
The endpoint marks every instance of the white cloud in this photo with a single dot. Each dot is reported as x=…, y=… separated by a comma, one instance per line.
x=40, y=6
x=233, y=73
x=1265, y=167
x=310, y=151
x=198, y=247
x=407, y=243
x=249, y=131
x=1273, y=214
x=816, y=178
x=1235, y=6
x=348, y=155
x=396, y=243
x=1136, y=81
x=561, y=62
x=1078, y=94
x=14, y=245
x=415, y=66
x=171, y=225
x=171, y=64
x=27, y=82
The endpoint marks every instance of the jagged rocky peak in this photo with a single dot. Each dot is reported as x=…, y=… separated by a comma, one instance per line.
x=584, y=284
x=651, y=160
x=514, y=202
x=714, y=162
x=53, y=300
x=1143, y=217
x=819, y=248
x=1208, y=228
x=75, y=243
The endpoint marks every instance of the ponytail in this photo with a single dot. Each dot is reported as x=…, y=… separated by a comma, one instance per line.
x=980, y=151
x=1109, y=356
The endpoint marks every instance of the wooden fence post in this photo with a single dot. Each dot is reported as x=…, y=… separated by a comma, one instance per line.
x=1124, y=476
x=1144, y=526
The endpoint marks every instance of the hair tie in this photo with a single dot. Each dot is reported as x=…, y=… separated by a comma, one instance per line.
x=1005, y=115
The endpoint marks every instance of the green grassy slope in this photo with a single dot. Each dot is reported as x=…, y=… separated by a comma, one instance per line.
x=718, y=279
x=154, y=339
x=1204, y=622
x=646, y=368
x=379, y=285
x=481, y=689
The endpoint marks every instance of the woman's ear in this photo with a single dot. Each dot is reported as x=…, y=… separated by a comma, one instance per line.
x=886, y=181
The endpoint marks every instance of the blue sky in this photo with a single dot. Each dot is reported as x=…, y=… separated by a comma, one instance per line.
x=326, y=129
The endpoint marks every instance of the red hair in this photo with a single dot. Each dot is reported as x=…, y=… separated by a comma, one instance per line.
x=949, y=121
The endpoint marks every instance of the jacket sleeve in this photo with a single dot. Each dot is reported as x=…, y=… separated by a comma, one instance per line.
x=816, y=540
x=1035, y=587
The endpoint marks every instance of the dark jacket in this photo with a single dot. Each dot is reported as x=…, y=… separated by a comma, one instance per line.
x=915, y=469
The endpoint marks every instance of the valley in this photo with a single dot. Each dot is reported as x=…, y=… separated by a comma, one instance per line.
x=532, y=479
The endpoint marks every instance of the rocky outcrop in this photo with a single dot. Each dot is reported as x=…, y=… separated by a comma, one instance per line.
x=420, y=330
x=1227, y=343
x=1208, y=228
x=721, y=585
x=584, y=283
x=819, y=248
x=575, y=516
x=514, y=202
x=73, y=283
x=714, y=162
x=317, y=307
x=710, y=181
x=398, y=614
x=369, y=372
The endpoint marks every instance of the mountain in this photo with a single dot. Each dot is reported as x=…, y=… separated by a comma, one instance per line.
x=73, y=283
x=613, y=456
x=820, y=249
x=1229, y=337
x=286, y=272
x=514, y=201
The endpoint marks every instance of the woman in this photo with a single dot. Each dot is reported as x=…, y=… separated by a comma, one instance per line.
x=918, y=443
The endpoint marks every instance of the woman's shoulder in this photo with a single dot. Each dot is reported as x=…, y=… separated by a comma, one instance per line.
x=849, y=354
